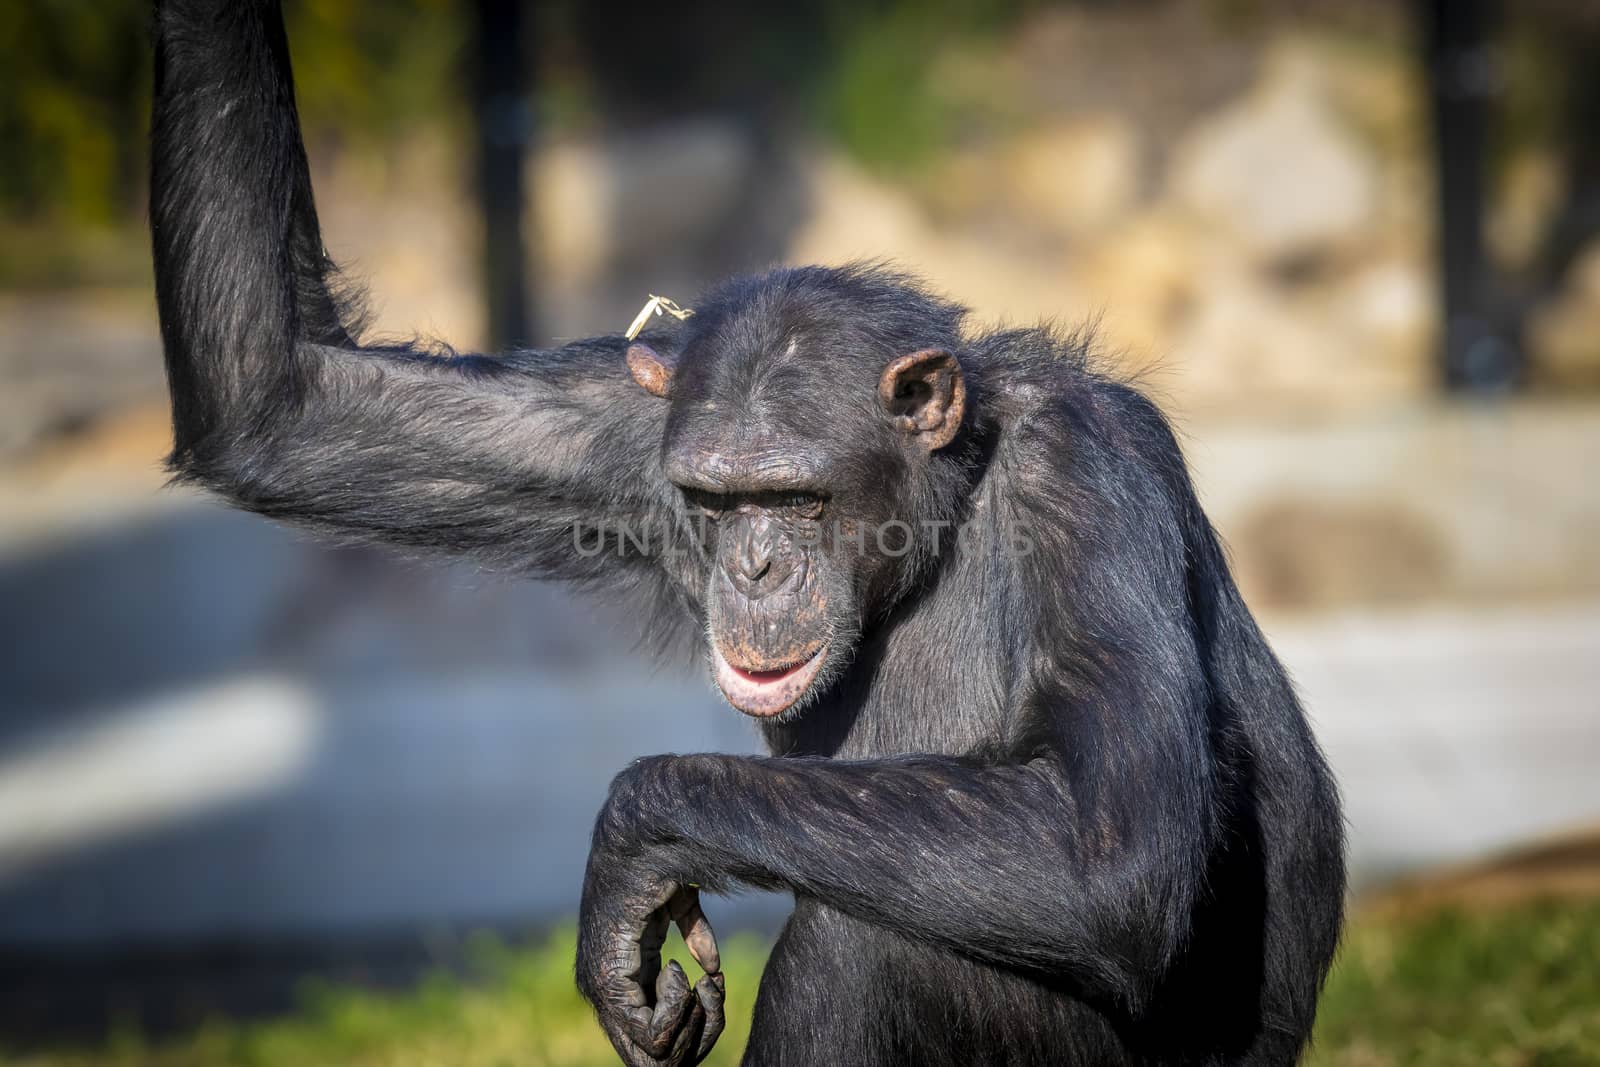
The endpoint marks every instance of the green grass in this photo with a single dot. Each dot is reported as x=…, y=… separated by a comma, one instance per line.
x=1513, y=987
x=1516, y=987
x=524, y=1012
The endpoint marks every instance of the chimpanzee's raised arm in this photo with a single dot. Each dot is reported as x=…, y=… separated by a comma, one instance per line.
x=275, y=404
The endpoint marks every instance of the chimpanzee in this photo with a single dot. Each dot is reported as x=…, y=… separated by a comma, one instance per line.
x=1039, y=788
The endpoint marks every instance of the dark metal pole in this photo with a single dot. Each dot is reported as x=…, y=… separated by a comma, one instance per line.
x=1579, y=220
x=504, y=127
x=1463, y=76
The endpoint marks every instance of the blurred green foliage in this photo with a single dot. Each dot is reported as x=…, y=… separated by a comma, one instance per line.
x=371, y=71
x=888, y=98
x=74, y=86
x=75, y=91
x=75, y=79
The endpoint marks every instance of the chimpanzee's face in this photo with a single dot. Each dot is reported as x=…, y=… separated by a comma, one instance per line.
x=793, y=562
x=798, y=469
x=781, y=602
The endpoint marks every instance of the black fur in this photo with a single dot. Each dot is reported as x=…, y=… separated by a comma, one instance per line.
x=1055, y=807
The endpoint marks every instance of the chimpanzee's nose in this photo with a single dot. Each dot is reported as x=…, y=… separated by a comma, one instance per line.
x=754, y=557
x=754, y=563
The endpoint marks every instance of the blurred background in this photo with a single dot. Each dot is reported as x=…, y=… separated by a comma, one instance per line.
x=266, y=802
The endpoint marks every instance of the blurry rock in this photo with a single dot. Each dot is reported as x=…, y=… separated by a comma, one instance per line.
x=402, y=224
x=1475, y=502
x=676, y=182
x=962, y=184
x=1245, y=345
x=572, y=198
x=598, y=204
x=1379, y=87
x=857, y=216
x=1564, y=335
x=70, y=359
x=1527, y=200
x=1317, y=553
x=1147, y=275
x=1074, y=177
x=1277, y=171
x=1388, y=308
x=1249, y=345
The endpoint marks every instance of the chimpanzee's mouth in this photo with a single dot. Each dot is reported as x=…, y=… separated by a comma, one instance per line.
x=765, y=693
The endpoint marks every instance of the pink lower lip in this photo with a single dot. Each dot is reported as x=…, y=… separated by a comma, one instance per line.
x=764, y=694
x=766, y=677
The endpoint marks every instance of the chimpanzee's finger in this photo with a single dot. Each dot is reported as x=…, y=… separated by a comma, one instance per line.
x=709, y=992
x=688, y=1039
x=696, y=929
x=674, y=1002
x=635, y=1056
x=652, y=935
x=632, y=1034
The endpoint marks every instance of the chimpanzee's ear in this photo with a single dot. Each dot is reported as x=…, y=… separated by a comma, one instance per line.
x=650, y=369
x=926, y=395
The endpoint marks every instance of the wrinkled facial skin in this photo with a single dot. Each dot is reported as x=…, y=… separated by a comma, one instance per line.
x=786, y=579
x=769, y=595
x=789, y=571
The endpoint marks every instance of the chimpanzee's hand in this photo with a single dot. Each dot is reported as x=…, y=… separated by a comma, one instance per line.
x=650, y=1013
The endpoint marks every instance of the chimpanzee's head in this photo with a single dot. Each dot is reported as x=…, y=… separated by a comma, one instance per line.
x=808, y=413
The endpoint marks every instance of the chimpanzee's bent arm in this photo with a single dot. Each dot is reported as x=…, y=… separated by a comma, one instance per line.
x=999, y=863
x=276, y=407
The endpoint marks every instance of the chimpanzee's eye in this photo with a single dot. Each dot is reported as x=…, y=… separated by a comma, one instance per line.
x=712, y=505
x=717, y=505
x=805, y=505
